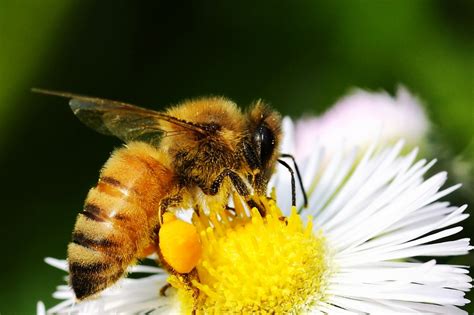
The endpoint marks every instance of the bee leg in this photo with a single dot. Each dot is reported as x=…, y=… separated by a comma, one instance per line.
x=166, y=203
x=230, y=209
x=197, y=209
x=254, y=203
x=237, y=181
x=240, y=187
x=188, y=280
x=164, y=288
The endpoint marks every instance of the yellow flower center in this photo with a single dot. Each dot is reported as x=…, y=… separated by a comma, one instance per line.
x=250, y=263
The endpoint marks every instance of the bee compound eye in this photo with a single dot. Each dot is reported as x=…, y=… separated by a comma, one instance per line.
x=265, y=140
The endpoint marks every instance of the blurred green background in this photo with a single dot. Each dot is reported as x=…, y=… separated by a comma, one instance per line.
x=299, y=55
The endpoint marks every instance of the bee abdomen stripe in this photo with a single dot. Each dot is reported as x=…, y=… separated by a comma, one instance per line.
x=148, y=164
x=82, y=240
x=93, y=212
x=85, y=285
x=121, y=217
x=111, y=181
x=78, y=268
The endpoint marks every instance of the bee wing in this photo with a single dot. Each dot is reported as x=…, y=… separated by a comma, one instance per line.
x=125, y=121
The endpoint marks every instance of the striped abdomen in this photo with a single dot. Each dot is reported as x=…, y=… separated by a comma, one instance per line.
x=119, y=217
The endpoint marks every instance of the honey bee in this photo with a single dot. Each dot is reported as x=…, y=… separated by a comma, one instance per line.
x=194, y=153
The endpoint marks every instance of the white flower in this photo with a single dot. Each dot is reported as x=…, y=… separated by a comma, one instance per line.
x=128, y=296
x=370, y=222
x=361, y=118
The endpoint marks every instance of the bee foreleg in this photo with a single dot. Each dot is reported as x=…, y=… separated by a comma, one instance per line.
x=255, y=203
x=237, y=181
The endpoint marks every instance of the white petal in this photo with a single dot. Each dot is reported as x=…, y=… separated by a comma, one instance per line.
x=382, y=211
x=40, y=309
x=126, y=296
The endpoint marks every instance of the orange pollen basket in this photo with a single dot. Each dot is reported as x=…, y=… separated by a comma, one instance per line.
x=180, y=244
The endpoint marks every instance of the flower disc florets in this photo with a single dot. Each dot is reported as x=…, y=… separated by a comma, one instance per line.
x=254, y=263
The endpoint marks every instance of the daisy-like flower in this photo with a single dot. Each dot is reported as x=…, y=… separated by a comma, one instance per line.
x=357, y=248
x=361, y=117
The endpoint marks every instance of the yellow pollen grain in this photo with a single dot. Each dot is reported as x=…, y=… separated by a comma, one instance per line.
x=255, y=264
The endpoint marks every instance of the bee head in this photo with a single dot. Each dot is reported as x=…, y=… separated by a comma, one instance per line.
x=262, y=149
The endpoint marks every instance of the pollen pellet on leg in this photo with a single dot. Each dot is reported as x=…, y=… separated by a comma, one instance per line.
x=179, y=244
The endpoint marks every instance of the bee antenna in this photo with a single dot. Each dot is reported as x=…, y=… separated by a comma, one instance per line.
x=298, y=174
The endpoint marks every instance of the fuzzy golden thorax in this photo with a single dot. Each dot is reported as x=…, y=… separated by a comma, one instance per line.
x=231, y=141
